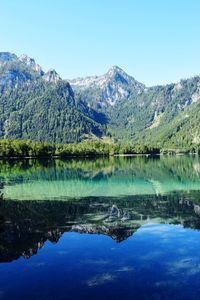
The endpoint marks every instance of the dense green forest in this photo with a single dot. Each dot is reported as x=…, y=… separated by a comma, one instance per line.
x=31, y=107
x=27, y=148
x=23, y=148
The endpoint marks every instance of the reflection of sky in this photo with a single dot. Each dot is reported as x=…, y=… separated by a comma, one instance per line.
x=157, y=262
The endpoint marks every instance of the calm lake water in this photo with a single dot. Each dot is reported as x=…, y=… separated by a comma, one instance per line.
x=119, y=228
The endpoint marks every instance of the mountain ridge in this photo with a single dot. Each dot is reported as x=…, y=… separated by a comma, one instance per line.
x=115, y=105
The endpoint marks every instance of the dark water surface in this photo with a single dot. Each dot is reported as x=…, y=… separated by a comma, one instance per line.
x=120, y=228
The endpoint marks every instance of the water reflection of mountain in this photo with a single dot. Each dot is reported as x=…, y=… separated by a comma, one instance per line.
x=40, y=180
x=26, y=225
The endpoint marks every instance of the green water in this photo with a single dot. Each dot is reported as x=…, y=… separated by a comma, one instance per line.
x=56, y=179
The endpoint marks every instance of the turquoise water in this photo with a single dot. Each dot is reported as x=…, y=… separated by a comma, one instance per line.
x=119, y=228
x=29, y=180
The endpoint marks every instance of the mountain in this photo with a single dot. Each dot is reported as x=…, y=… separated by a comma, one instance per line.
x=7, y=56
x=39, y=105
x=183, y=130
x=141, y=117
x=106, y=90
x=52, y=76
x=144, y=114
x=31, y=63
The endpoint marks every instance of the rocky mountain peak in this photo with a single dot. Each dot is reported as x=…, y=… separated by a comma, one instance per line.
x=27, y=60
x=115, y=69
x=30, y=62
x=52, y=76
x=115, y=73
x=110, y=87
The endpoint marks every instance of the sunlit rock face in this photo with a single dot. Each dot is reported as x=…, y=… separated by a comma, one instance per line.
x=31, y=63
x=52, y=76
x=17, y=72
x=13, y=79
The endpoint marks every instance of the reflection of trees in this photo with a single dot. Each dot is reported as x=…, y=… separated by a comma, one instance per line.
x=26, y=225
x=1, y=190
x=159, y=168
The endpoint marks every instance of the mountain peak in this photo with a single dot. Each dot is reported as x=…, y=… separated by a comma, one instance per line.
x=52, y=76
x=27, y=60
x=118, y=73
x=115, y=68
x=110, y=87
x=30, y=62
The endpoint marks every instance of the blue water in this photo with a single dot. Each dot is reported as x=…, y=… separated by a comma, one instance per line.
x=157, y=262
x=139, y=246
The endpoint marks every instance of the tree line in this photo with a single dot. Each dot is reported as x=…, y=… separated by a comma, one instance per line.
x=28, y=148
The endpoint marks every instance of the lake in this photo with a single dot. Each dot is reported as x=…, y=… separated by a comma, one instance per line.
x=117, y=228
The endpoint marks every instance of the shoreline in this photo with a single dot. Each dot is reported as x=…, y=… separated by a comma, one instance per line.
x=97, y=156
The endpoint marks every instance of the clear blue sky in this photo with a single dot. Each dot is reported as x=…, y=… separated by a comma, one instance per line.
x=156, y=41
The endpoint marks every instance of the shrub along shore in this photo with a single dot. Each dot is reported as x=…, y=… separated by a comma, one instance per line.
x=27, y=148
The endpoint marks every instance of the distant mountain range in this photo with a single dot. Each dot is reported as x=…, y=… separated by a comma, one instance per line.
x=40, y=105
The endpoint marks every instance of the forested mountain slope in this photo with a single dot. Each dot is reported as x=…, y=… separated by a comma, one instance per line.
x=153, y=110
x=183, y=131
x=39, y=106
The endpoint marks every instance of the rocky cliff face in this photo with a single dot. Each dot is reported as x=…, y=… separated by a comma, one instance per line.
x=52, y=76
x=25, y=63
x=30, y=62
x=16, y=72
